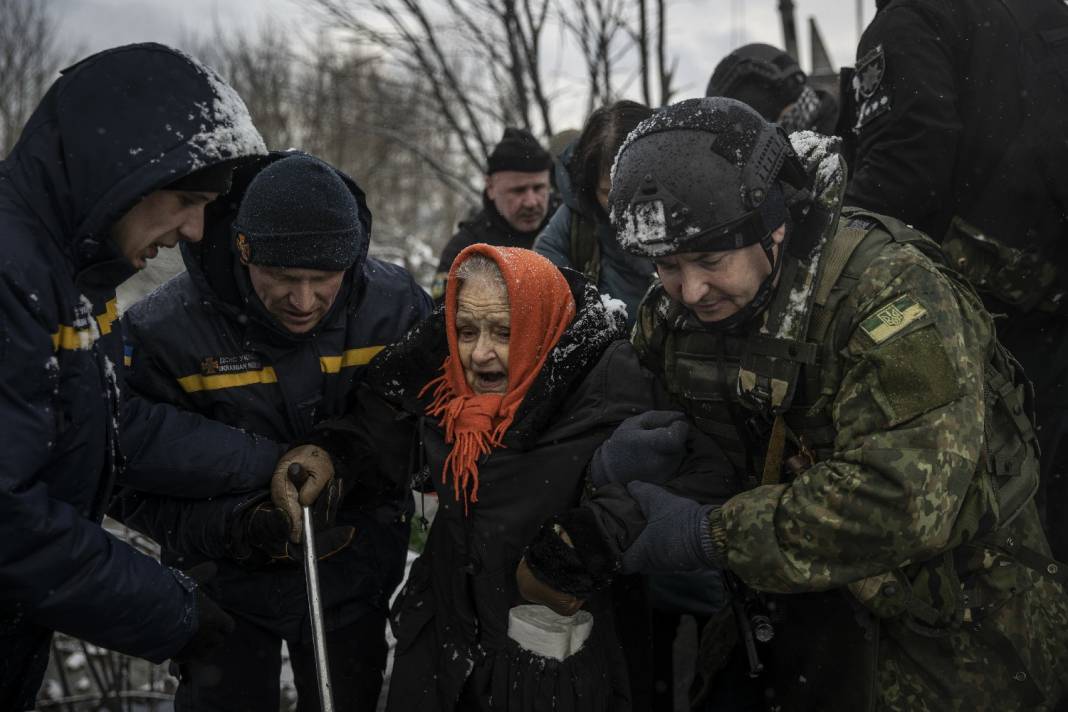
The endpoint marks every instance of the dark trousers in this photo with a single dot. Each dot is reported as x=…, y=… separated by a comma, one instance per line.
x=23, y=660
x=243, y=674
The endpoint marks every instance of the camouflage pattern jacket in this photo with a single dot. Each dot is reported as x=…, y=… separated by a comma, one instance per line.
x=896, y=508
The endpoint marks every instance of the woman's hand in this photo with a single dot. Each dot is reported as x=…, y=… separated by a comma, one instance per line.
x=535, y=591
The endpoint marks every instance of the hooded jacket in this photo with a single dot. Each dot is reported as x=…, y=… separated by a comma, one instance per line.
x=621, y=275
x=112, y=129
x=204, y=342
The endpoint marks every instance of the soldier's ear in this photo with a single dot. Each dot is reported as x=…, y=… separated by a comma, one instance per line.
x=779, y=234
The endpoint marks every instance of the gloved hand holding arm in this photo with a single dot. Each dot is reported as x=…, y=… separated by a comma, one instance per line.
x=677, y=535
x=650, y=446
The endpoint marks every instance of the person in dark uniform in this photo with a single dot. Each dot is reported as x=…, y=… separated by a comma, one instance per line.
x=971, y=151
x=119, y=159
x=770, y=80
x=269, y=330
x=515, y=202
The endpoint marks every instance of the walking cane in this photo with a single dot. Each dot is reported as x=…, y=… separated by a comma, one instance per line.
x=315, y=601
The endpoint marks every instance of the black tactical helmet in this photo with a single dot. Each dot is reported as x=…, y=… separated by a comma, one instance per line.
x=765, y=77
x=701, y=175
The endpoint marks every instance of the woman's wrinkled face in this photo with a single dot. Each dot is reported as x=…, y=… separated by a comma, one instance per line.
x=483, y=320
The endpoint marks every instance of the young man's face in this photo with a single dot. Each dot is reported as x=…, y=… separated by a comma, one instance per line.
x=716, y=285
x=297, y=297
x=521, y=198
x=162, y=219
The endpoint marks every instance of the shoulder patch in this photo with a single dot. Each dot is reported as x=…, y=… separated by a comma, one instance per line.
x=892, y=318
x=869, y=75
x=871, y=97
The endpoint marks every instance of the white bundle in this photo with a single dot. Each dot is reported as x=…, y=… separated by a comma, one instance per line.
x=548, y=634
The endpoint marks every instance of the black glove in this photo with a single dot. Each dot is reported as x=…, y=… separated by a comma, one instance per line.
x=570, y=556
x=647, y=447
x=213, y=623
x=263, y=533
x=676, y=536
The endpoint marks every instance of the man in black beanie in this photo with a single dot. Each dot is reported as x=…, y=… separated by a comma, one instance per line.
x=269, y=330
x=515, y=203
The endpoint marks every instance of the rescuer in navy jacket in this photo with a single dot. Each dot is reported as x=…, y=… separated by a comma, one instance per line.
x=119, y=158
x=269, y=330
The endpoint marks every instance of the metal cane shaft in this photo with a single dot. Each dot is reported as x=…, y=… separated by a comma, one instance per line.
x=315, y=602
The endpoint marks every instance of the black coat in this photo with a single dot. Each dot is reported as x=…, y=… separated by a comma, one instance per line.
x=942, y=122
x=487, y=226
x=90, y=151
x=451, y=618
x=204, y=343
x=974, y=125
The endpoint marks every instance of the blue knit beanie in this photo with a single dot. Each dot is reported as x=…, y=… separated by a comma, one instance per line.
x=298, y=212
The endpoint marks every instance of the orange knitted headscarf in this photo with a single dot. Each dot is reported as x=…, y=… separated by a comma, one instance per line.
x=541, y=308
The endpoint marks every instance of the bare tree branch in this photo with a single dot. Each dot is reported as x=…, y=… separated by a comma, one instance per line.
x=29, y=61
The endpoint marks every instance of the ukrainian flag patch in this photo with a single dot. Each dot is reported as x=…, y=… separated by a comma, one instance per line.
x=893, y=318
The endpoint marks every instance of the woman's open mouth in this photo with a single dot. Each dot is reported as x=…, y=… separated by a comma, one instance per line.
x=491, y=381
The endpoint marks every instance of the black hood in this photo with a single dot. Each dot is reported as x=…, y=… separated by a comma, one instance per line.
x=214, y=267
x=115, y=127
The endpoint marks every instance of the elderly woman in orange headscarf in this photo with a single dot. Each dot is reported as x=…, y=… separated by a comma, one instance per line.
x=506, y=392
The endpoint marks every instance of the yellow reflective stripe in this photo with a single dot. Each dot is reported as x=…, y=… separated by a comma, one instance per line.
x=72, y=339
x=214, y=382
x=127, y=361
x=329, y=364
x=352, y=357
x=109, y=317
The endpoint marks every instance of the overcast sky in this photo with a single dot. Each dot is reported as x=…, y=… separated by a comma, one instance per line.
x=700, y=31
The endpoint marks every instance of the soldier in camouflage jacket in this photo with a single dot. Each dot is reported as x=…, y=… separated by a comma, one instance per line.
x=886, y=538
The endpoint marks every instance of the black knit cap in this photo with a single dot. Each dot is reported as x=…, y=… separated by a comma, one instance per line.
x=298, y=212
x=519, y=151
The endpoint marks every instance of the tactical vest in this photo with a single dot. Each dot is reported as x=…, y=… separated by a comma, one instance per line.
x=709, y=372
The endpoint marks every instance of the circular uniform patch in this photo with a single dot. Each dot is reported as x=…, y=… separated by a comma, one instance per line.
x=871, y=94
